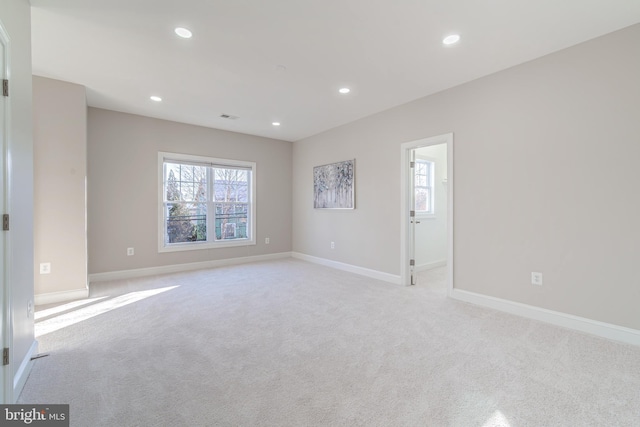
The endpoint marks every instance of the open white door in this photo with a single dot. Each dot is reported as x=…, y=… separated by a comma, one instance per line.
x=411, y=181
x=5, y=377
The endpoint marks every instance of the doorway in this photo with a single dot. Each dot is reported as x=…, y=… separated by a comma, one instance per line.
x=418, y=202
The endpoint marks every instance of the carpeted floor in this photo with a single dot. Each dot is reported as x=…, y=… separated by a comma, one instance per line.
x=288, y=343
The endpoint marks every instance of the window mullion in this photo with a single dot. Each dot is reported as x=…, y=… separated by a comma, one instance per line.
x=211, y=211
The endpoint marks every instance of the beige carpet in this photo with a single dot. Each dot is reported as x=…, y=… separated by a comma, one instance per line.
x=287, y=343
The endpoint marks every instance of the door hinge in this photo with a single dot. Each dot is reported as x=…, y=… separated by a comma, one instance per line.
x=412, y=214
x=5, y=356
x=5, y=87
x=412, y=164
x=5, y=222
x=412, y=262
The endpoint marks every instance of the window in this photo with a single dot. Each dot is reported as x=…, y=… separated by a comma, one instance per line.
x=205, y=202
x=423, y=184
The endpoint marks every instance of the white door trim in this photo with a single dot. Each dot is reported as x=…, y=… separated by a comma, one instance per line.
x=6, y=377
x=410, y=204
x=405, y=237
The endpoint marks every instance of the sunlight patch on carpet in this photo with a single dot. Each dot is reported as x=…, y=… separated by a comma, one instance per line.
x=83, y=313
x=497, y=420
x=41, y=314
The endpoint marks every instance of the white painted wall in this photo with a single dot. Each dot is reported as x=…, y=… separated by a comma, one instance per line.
x=546, y=179
x=431, y=232
x=123, y=188
x=60, y=164
x=16, y=19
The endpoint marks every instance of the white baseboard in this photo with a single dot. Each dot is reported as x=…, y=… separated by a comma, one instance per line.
x=64, y=296
x=594, y=327
x=374, y=274
x=431, y=265
x=24, y=370
x=176, y=268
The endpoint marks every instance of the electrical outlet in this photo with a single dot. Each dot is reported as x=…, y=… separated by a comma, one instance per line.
x=130, y=252
x=333, y=245
x=266, y=240
x=536, y=278
x=45, y=268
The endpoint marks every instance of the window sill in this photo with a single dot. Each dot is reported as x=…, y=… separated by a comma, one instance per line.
x=178, y=247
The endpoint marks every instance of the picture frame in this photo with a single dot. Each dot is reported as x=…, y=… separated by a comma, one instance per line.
x=334, y=185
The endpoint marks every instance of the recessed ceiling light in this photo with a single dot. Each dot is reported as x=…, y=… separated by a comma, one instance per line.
x=344, y=90
x=183, y=32
x=155, y=98
x=452, y=39
x=276, y=123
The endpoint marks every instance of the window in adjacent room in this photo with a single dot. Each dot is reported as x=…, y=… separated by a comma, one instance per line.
x=423, y=175
x=205, y=202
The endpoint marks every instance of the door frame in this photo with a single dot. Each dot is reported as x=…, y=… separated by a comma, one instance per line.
x=6, y=371
x=405, y=202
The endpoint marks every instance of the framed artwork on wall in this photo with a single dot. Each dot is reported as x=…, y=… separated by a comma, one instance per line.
x=334, y=185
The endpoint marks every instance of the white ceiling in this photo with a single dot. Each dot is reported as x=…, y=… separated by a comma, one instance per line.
x=388, y=52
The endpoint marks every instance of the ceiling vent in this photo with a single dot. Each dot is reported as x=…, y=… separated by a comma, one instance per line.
x=229, y=116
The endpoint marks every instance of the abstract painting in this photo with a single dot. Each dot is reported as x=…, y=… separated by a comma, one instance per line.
x=334, y=185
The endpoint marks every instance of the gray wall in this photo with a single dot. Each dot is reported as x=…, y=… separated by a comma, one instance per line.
x=16, y=19
x=123, y=188
x=60, y=164
x=546, y=179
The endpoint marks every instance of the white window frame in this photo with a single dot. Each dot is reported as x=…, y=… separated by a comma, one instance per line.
x=431, y=178
x=212, y=243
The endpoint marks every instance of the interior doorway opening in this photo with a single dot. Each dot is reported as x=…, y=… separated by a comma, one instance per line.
x=427, y=225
